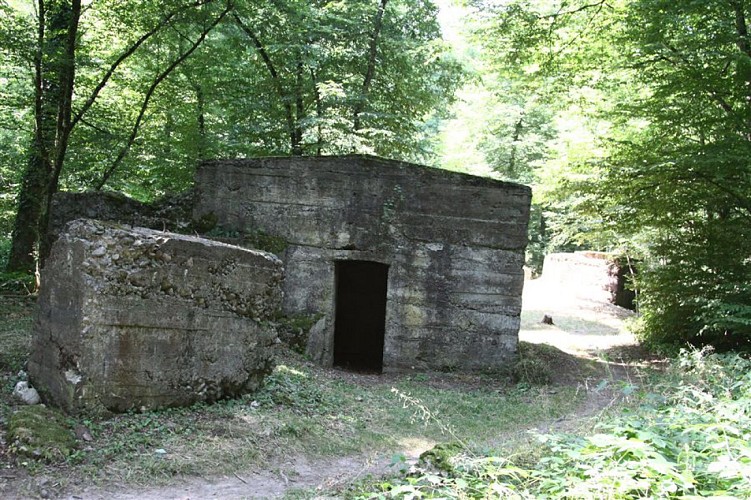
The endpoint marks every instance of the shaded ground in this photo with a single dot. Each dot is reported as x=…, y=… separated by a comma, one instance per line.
x=587, y=349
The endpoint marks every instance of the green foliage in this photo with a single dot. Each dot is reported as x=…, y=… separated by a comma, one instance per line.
x=255, y=238
x=18, y=283
x=440, y=457
x=297, y=391
x=264, y=241
x=294, y=331
x=15, y=332
x=644, y=148
x=165, y=84
x=535, y=364
x=40, y=433
x=678, y=185
x=689, y=438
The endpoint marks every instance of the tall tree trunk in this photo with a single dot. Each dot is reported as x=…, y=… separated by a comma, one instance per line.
x=201, y=118
x=744, y=45
x=370, y=70
x=54, y=80
x=54, y=68
x=26, y=226
x=515, y=147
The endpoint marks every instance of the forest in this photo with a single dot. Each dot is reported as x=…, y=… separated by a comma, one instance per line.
x=630, y=120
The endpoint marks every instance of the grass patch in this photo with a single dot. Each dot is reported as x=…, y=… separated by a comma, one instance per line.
x=302, y=409
x=689, y=437
x=15, y=332
x=40, y=433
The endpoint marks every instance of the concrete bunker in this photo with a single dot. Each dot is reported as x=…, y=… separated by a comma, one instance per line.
x=441, y=254
x=131, y=318
x=599, y=275
x=360, y=314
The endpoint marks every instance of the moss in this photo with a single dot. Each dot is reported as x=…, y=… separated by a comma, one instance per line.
x=264, y=241
x=441, y=455
x=206, y=223
x=294, y=330
x=255, y=239
x=41, y=433
x=533, y=366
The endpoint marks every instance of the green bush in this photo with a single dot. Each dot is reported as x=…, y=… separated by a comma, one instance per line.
x=699, y=291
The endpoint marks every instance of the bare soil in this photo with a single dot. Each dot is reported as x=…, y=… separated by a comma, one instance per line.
x=587, y=344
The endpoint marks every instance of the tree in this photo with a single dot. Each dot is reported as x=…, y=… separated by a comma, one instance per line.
x=357, y=76
x=131, y=99
x=684, y=177
x=55, y=64
x=671, y=86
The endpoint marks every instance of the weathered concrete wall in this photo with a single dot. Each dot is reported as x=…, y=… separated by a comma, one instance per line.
x=597, y=276
x=134, y=318
x=454, y=243
x=173, y=213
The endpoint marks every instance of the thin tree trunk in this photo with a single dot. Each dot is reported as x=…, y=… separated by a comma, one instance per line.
x=54, y=68
x=54, y=81
x=741, y=28
x=515, y=146
x=744, y=45
x=370, y=70
x=299, y=110
x=319, y=113
x=277, y=81
x=201, y=118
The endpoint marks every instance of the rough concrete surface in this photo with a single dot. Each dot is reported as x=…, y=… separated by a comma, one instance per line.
x=453, y=243
x=131, y=318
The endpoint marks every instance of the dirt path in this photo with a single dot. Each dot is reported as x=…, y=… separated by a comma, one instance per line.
x=583, y=329
x=296, y=473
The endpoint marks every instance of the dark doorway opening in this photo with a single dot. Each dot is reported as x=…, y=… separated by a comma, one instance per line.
x=360, y=322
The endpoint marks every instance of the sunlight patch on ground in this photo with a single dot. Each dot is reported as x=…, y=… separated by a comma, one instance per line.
x=579, y=325
x=414, y=447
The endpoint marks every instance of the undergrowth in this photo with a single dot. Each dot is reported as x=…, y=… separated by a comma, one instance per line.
x=690, y=437
x=302, y=410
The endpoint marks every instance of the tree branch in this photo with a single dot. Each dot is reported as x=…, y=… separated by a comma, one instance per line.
x=166, y=20
x=275, y=79
x=97, y=128
x=164, y=74
x=596, y=5
x=370, y=71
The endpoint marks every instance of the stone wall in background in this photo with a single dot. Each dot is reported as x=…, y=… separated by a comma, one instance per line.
x=131, y=318
x=453, y=243
x=595, y=275
x=173, y=213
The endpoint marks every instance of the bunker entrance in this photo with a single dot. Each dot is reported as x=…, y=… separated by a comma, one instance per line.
x=360, y=322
